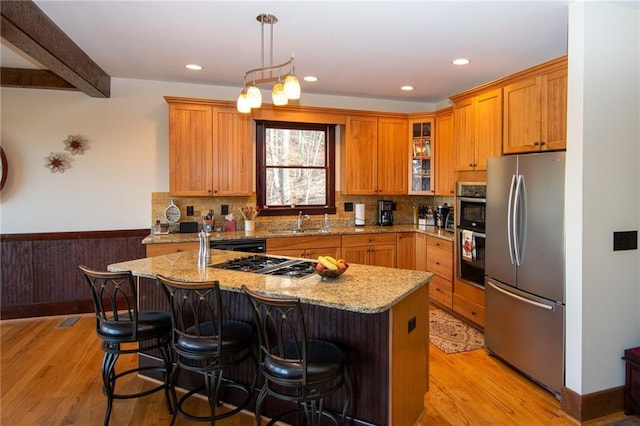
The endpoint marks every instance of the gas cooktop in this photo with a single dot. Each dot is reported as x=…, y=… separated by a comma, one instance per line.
x=268, y=265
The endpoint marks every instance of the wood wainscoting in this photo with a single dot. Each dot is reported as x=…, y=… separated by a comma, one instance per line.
x=40, y=274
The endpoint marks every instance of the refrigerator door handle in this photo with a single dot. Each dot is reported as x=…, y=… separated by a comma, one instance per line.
x=515, y=223
x=510, y=217
x=522, y=299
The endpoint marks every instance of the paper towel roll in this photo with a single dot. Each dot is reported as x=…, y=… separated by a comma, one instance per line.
x=359, y=214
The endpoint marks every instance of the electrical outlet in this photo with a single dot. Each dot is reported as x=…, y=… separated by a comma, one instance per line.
x=348, y=207
x=224, y=209
x=411, y=325
x=189, y=210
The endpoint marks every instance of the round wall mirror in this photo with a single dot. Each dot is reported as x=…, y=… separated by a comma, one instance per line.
x=4, y=170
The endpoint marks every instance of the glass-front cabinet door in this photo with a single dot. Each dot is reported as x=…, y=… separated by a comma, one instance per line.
x=421, y=167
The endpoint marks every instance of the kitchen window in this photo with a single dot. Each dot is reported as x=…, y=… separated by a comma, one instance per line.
x=295, y=168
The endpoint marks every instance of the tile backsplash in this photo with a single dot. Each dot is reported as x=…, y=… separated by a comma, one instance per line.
x=201, y=206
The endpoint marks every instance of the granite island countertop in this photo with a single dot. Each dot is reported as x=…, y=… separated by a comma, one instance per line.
x=362, y=288
x=267, y=233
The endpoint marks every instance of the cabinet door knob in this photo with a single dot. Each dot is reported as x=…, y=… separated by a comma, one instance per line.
x=542, y=143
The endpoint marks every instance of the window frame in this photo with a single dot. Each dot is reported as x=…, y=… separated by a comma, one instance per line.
x=261, y=170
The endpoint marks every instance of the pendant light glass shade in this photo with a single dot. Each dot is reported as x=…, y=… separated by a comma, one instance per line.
x=243, y=103
x=254, y=97
x=277, y=94
x=292, y=87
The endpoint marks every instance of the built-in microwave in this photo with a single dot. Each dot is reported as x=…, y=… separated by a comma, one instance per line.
x=471, y=203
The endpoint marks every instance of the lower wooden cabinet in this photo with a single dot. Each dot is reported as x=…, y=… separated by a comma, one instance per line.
x=307, y=247
x=168, y=248
x=370, y=249
x=406, y=250
x=440, y=262
x=468, y=301
x=421, y=252
x=441, y=291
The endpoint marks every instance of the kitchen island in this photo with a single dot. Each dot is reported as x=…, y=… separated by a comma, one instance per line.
x=378, y=315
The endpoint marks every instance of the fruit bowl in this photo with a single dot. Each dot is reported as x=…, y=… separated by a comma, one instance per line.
x=329, y=274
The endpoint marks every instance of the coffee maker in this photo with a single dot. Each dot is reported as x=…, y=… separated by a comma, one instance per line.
x=385, y=213
x=442, y=215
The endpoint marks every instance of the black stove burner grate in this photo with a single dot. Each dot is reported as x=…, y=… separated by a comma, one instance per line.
x=268, y=265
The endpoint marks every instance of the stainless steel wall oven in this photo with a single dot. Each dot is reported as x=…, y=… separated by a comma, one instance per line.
x=471, y=203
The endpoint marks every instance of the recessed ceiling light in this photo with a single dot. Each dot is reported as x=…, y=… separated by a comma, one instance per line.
x=310, y=78
x=193, y=67
x=460, y=61
x=407, y=88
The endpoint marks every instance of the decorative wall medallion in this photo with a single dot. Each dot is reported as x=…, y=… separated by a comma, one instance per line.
x=57, y=162
x=75, y=144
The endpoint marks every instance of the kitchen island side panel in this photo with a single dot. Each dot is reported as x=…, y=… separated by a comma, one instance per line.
x=365, y=338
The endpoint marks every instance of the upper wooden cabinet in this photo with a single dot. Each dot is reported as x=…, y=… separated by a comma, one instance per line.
x=233, y=152
x=190, y=149
x=535, y=113
x=210, y=151
x=421, y=156
x=445, y=181
x=374, y=156
x=477, y=129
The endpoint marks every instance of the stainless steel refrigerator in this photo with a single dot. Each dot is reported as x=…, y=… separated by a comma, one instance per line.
x=524, y=265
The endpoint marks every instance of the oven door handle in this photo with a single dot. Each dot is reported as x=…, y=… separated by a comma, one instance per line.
x=475, y=234
x=473, y=200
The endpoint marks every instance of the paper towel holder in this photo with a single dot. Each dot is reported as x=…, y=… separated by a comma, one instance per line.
x=359, y=215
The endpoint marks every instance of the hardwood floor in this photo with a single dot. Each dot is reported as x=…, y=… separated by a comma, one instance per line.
x=50, y=376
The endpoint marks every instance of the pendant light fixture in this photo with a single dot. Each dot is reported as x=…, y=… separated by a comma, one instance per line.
x=250, y=97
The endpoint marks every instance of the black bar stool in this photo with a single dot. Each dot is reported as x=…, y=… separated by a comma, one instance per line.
x=205, y=342
x=119, y=322
x=295, y=368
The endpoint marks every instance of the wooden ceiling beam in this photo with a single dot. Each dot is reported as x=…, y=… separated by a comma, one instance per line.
x=34, y=79
x=27, y=28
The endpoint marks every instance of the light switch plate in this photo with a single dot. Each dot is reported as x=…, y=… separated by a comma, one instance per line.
x=625, y=240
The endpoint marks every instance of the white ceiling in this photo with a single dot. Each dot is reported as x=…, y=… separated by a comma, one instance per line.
x=355, y=48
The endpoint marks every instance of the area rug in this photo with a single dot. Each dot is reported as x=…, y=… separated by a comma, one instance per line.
x=451, y=335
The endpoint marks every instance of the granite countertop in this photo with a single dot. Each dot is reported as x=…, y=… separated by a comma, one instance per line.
x=265, y=233
x=362, y=288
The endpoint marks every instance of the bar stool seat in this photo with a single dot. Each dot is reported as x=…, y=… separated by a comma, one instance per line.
x=206, y=342
x=295, y=368
x=119, y=323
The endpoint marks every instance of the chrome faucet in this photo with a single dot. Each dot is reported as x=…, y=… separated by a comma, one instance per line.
x=301, y=218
